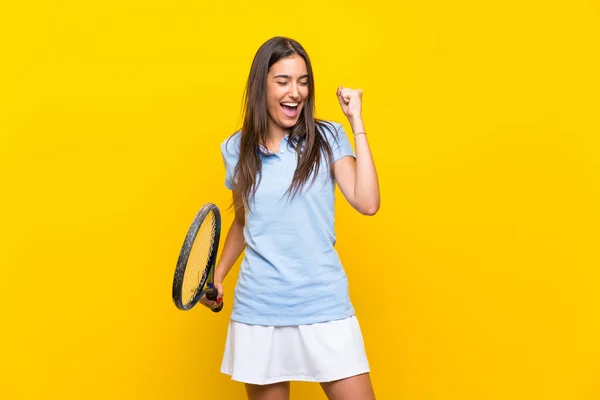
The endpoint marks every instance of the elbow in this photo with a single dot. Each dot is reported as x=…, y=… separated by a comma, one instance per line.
x=369, y=209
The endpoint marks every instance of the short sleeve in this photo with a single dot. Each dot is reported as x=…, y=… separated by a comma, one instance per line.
x=230, y=154
x=340, y=145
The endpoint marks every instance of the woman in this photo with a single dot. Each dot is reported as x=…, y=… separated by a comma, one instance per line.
x=292, y=318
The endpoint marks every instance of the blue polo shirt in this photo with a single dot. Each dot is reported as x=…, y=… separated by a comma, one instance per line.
x=290, y=274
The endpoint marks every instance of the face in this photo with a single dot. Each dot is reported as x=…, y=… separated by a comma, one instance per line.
x=287, y=91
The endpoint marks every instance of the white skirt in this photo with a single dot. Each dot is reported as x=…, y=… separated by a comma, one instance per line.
x=319, y=352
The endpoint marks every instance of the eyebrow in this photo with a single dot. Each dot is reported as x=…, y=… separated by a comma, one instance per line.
x=288, y=77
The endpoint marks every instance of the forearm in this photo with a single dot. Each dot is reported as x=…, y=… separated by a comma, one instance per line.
x=366, y=182
x=232, y=249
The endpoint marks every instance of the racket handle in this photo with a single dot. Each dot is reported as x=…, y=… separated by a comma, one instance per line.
x=212, y=294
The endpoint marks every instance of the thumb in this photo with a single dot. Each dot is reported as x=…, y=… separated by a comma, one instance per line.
x=221, y=292
x=339, y=94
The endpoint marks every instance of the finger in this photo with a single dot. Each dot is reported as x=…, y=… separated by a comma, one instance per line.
x=344, y=97
x=339, y=94
x=348, y=95
x=207, y=302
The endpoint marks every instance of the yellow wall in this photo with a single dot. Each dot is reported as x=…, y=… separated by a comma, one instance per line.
x=478, y=279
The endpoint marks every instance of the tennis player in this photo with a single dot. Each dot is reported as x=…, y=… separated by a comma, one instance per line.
x=292, y=318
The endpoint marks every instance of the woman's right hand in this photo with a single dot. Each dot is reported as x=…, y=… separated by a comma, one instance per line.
x=211, y=303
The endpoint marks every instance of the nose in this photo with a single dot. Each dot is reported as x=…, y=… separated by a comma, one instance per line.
x=294, y=92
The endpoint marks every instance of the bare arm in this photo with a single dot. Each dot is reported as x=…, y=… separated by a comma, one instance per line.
x=357, y=179
x=232, y=248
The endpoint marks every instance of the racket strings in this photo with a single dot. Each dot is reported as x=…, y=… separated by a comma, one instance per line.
x=199, y=257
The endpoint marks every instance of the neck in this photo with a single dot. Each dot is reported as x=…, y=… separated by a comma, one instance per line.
x=275, y=134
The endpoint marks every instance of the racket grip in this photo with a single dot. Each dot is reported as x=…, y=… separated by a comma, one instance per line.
x=212, y=294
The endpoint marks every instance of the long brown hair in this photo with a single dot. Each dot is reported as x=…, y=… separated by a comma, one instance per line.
x=306, y=137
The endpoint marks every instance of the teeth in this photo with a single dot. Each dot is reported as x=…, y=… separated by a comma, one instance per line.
x=290, y=104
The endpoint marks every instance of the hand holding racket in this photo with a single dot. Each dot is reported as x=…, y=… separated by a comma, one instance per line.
x=213, y=298
x=194, y=273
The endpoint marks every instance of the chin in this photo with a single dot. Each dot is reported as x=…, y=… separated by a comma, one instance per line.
x=286, y=123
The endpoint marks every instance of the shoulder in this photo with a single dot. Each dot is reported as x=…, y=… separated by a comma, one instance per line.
x=332, y=131
x=230, y=147
x=328, y=127
x=335, y=135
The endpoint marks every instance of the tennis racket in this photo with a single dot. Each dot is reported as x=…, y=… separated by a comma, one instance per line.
x=194, y=273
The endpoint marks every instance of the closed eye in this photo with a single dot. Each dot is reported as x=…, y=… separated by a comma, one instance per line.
x=285, y=83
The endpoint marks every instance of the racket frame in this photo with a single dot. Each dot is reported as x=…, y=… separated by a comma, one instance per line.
x=208, y=273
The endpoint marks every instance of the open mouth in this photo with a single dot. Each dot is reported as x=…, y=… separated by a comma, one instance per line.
x=290, y=109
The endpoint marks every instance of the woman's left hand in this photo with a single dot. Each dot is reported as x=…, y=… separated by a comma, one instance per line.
x=351, y=102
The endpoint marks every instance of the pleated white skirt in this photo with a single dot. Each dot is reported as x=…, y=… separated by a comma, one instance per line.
x=319, y=352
